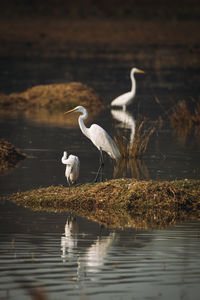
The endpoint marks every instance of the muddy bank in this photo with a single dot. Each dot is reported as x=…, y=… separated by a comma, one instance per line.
x=9, y=156
x=121, y=203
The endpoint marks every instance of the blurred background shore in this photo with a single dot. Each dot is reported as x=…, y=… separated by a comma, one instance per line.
x=101, y=29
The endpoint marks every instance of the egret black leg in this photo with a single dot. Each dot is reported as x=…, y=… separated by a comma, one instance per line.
x=68, y=186
x=100, y=169
x=102, y=166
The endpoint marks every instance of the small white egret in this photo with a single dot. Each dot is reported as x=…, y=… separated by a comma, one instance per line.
x=126, y=99
x=72, y=167
x=99, y=137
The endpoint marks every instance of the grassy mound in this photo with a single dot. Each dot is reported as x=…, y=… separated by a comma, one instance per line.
x=9, y=156
x=121, y=203
x=47, y=103
x=53, y=97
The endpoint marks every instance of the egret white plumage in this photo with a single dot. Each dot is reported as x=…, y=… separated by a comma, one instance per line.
x=127, y=98
x=72, y=167
x=99, y=137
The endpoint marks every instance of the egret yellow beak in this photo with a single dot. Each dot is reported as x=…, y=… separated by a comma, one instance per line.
x=69, y=111
x=140, y=71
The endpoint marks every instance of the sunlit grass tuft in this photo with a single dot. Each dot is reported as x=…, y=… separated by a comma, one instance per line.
x=138, y=146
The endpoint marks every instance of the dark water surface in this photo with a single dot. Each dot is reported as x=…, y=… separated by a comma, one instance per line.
x=72, y=258
x=76, y=259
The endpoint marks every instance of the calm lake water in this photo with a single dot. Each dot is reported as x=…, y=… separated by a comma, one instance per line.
x=70, y=257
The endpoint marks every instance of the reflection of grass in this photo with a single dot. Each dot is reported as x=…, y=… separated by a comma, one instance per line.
x=134, y=168
x=183, y=121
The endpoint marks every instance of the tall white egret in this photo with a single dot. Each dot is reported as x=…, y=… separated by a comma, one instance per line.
x=127, y=98
x=98, y=136
x=72, y=167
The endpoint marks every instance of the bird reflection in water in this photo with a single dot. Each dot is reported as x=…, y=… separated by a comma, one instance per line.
x=95, y=257
x=92, y=258
x=69, y=239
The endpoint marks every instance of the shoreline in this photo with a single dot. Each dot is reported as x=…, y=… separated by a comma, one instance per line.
x=154, y=42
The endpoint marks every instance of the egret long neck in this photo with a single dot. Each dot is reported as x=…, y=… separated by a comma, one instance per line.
x=82, y=126
x=133, y=87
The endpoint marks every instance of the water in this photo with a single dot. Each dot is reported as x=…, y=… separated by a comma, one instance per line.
x=70, y=257
x=76, y=259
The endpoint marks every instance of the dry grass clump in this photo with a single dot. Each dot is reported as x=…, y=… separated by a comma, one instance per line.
x=184, y=121
x=132, y=150
x=47, y=103
x=9, y=156
x=52, y=97
x=121, y=203
x=137, y=147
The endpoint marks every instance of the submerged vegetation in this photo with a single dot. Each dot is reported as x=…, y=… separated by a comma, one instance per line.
x=9, y=156
x=121, y=203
